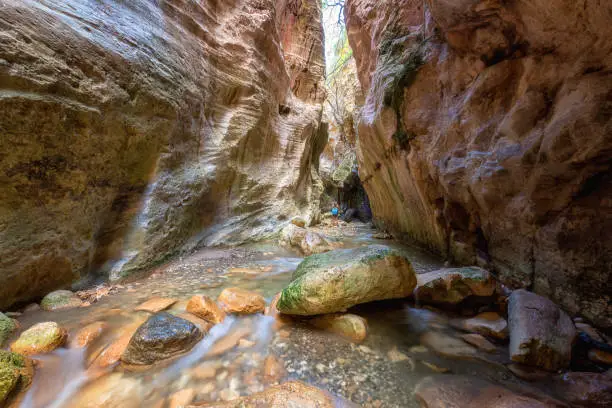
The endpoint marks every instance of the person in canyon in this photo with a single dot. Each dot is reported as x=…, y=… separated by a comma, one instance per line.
x=334, y=212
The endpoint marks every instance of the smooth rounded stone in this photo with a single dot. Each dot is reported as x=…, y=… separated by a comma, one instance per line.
x=40, y=338
x=156, y=304
x=110, y=391
x=112, y=354
x=600, y=356
x=205, y=308
x=349, y=326
x=88, y=334
x=181, y=398
x=447, y=346
x=299, y=222
x=591, y=390
x=453, y=285
x=479, y=342
x=307, y=242
x=457, y=391
x=290, y=394
x=59, y=300
x=337, y=280
x=241, y=301
x=487, y=323
x=7, y=327
x=274, y=370
x=16, y=373
x=161, y=337
x=541, y=334
x=528, y=373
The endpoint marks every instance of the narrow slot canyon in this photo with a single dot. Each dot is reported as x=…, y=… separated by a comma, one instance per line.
x=305, y=203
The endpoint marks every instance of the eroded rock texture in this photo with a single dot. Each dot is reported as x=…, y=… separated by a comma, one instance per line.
x=487, y=135
x=135, y=129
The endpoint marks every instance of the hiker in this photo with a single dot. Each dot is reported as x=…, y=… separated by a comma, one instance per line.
x=334, y=212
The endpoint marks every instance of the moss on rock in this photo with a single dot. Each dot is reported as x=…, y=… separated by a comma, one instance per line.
x=60, y=299
x=7, y=326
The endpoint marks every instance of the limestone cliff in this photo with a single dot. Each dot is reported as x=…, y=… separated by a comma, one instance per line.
x=487, y=136
x=135, y=129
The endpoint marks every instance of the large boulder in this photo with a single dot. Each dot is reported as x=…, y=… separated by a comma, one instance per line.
x=453, y=285
x=161, y=337
x=290, y=394
x=334, y=281
x=40, y=338
x=541, y=334
x=7, y=327
x=444, y=391
x=305, y=241
x=60, y=299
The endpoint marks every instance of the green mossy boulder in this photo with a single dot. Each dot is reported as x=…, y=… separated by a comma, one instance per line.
x=40, y=338
x=7, y=327
x=334, y=281
x=16, y=372
x=60, y=299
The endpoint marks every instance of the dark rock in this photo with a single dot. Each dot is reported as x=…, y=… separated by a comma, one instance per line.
x=161, y=337
x=591, y=390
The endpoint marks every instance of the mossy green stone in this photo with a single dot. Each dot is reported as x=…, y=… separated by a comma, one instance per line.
x=336, y=280
x=8, y=379
x=7, y=326
x=60, y=299
x=16, y=372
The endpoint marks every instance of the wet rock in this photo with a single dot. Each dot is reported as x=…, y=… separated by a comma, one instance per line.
x=487, y=323
x=600, y=356
x=205, y=308
x=453, y=285
x=349, y=326
x=241, y=301
x=110, y=391
x=290, y=394
x=447, y=346
x=161, y=337
x=229, y=341
x=334, y=281
x=479, y=341
x=40, y=338
x=181, y=398
x=32, y=307
x=156, y=304
x=60, y=299
x=589, y=330
x=528, y=373
x=7, y=327
x=201, y=324
x=382, y=235
x=443, y=391
x=16, y=373
x=274, y=370
x=591, y=390
x=435, y=368
x=396, y=356
x=112, y=354
x=88, y=334
x=307, y=242
x=541, y=334
x=299, y=222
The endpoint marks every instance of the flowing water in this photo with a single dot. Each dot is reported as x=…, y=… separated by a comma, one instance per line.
x=381, y=372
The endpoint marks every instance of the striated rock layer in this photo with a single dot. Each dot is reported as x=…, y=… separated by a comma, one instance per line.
x=133, y=130
x=487, y=136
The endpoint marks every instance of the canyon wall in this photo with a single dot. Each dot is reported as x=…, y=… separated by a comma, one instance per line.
x=487, y=136
x=132, y=130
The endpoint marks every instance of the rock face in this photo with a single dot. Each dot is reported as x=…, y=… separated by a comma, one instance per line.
x=486, y=135
x=334, y=281
x=541, y=334
x=161, y=337
x=132, y=130
x=453, y=285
